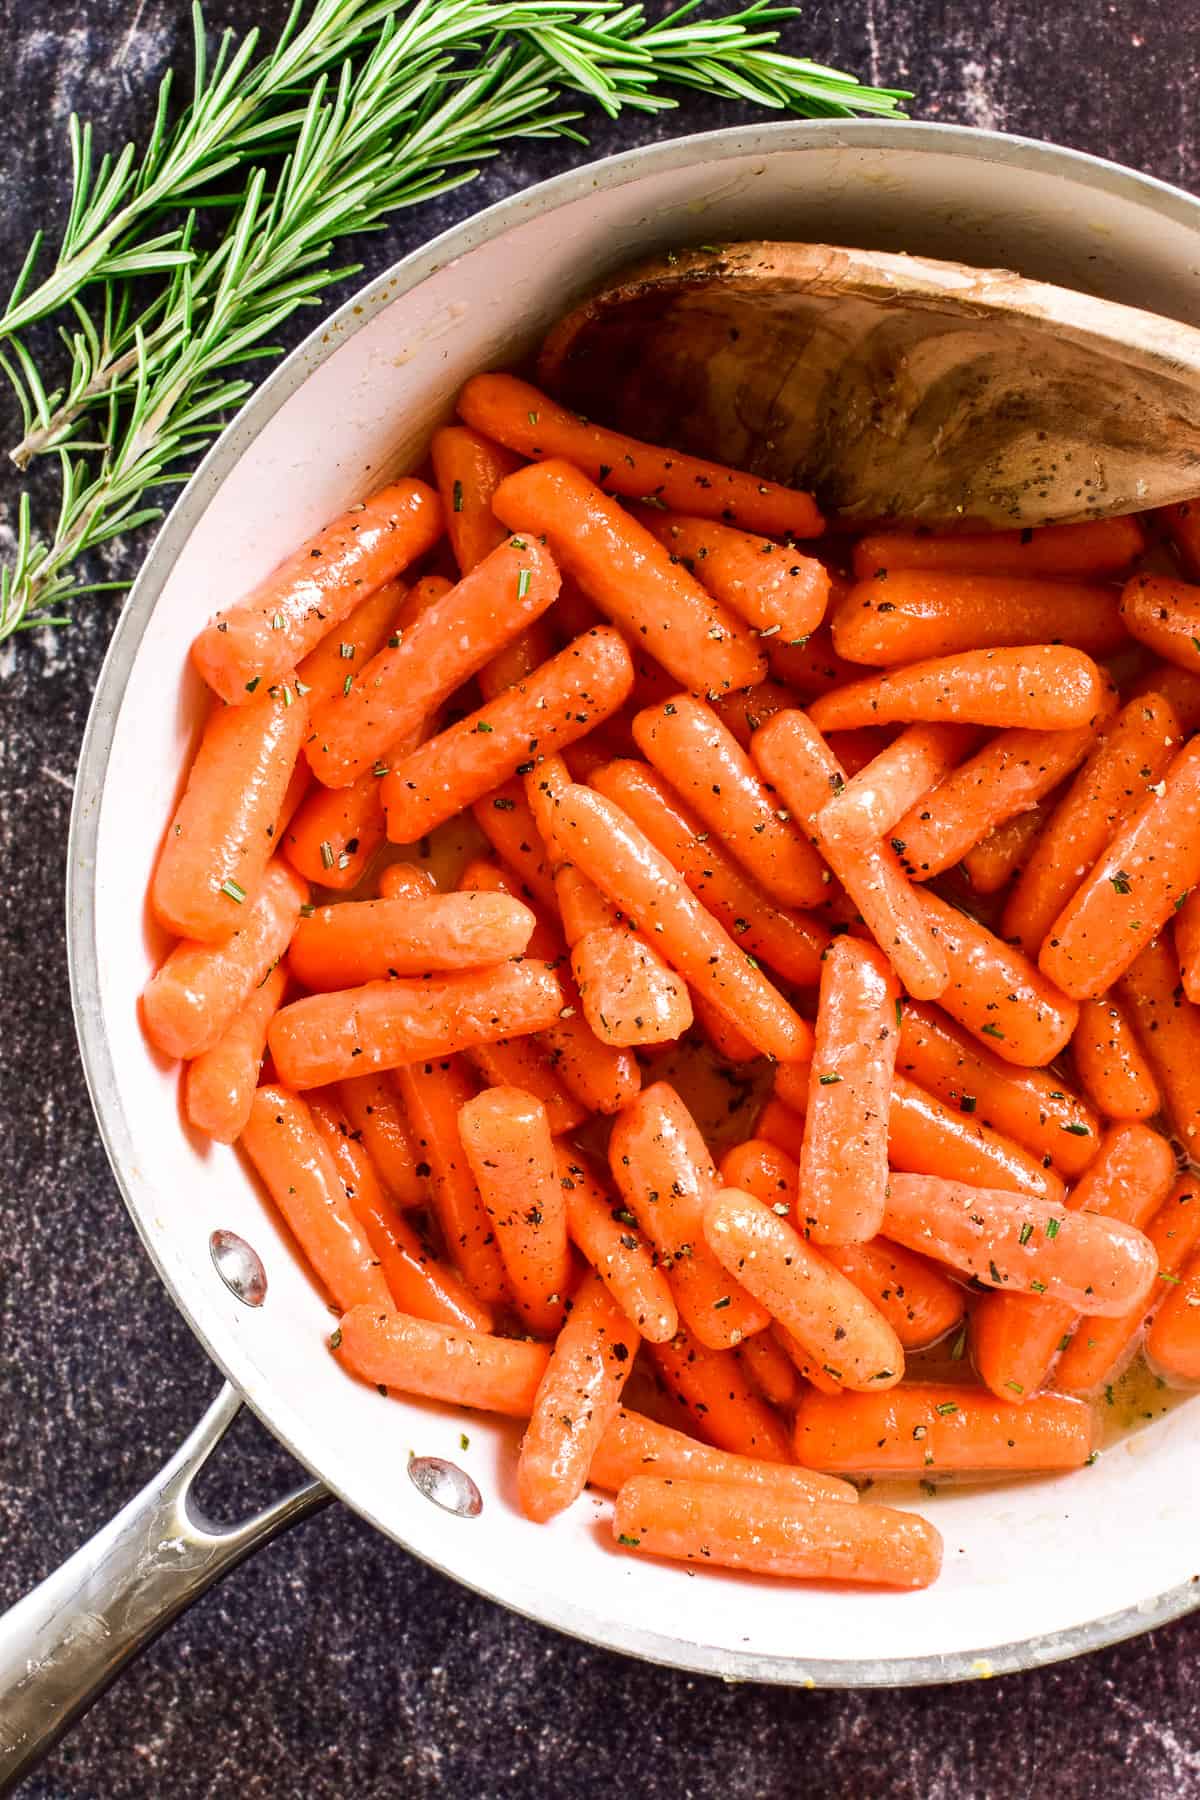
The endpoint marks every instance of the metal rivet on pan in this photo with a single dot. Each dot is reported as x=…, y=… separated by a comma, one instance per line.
x=239, y=1267
x=446, y=1485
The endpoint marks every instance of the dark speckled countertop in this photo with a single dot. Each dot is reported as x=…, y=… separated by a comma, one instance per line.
x=333, y=1664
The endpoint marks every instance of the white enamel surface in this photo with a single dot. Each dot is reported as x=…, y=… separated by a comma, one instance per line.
x=1023, y=1562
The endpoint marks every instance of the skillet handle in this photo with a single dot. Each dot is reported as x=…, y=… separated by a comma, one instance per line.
x=65, y=1641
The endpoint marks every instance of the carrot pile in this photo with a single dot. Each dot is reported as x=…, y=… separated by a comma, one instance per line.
x=874, y=823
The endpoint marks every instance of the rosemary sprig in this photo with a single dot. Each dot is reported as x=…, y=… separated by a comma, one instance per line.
x=177, y=266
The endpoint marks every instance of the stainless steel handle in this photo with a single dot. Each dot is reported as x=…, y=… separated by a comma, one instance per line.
x=65, y=1641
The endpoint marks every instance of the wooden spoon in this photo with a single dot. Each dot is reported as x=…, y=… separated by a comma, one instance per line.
x=892, y=386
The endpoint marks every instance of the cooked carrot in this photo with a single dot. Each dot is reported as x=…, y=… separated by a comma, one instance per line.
x=1186, y=933
x=631, y=578
x=927, y=1428
x=447, y=643
x=813, y=668
x=1183, y=528
x=336, y=832
x=1096, y=547
x=718, y=1400
x=1180, y=688
x=469, y=468
x=298, y=786
x=634, y=1445
x=997, y=993
x=406, y=880
x=1173, y=1341
x=1168, y=1029
x=1138, y=883
x=1163, y=613
x=523, y=1062
x=662, y=1166
x=518, y=659
x=906, y=615
x=300, y=1175
x=399, y=1354
x=263, y=636
x=577, y=1399
x=349, y=647
x=1112, y=1070
x=790, y=942
x=417, y=1282
x=193, y=999
x=844, y=1163
x=855, y=749
x=372, y=1105
x=383, y=1024
x=1021, y=1244
x=220, y=839
x=774, y=1534
x=773, y=588
x=687, y=743
x=434, y=1093
x=806, y=1364
x=992, y=863
x=606, y=1232
x=629, y=995
x=771, y=1370
x=219, y=1085
x=871, y=802
x=354, y=941
x=528, y=421
x=507, y=822
x=779, y=1125
x=1043, y=687
x=506, y=1136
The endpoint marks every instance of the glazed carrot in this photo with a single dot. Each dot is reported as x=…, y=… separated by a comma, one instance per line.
x=507, y=822
x=528, y=421
x=634, y=1445
x=219, y=1085
x=606, y=1233
x=773, y=588
x=433, y=1094
x=905, y=615
x=871, y=802
x=193, y=999
x=300, y=1175
x=745, y=709
x=1043, y=687
x=521, y=657
x=1112, y=1070
x=522, y=1062
x=855, y=749
x=721, y=1406
x=406, y=880
x=1134, y=888
x=468, y=469
x=1020, y=1243
x=992, y=863
x=351, y=646
x=774, y=1534
x=662, y=1166
x=1032, y=1107
x=844, y=1163
x=779, y=1125
x=631, y=578
x=1168, y=1028
x=935, y=1428
x=577, y=1399
x=790, y=942
x=264, y=635
x=354, y=941
x=997, y=993
x=1180, y=688
x=1120, y=772
x=328, y=1037
x=447, y=643
x=629, y=995
x=813, y=668
x=336, y=832
x=1183, y=528
x=1096, y=547
x=399, y=1354
x=771, y=1370
x=1187, y=944
x=298, y=786
x=222, y=834
x=416, y=1281
x=506, y=1135
x=687, y=743
x=610, y=849
x=1163, y=613
x=1173, y=1341
x=371, y=1104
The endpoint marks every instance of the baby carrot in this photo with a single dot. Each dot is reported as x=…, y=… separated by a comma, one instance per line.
x=720, y=1404
x=434, y=1094
x=1163, y=613
x=506, y=1136
x=528, y=421
x=813, y=668
x=354, y=941
x=576, y=1401
x=1021, y=1244
x=723, y=1037
x=686, y=742
x=775, y=589
x=1134, y=888
x=855, y=749
x=606, y=1233
x=771, y=1370
x=219, y=1085
x=631, y=578
x=406, y=880
x=1121, y=770
x=222, y=834
x=1045, y=687
x=1173, y=1341
x=844, y=1163
x=264, y=635
x=996, y=992
x=1168, y=1028
x=774, y=1534
x=884, y=790
x=523, y=1062
x=351, y=645
x=193, y=999
x=1180, y=688
x=336, y=832
x=507, y=822
x=1183, y=528
x=905, y=615
x=468, y=469
x=371, y=1104
x=629, y=995
x=1095, y=547
x=1112, y=1070
x=328, y=1037
x=779, y=1125
x=1187, y=944
x=518, y=659
x=556, y=704
x=634, y=1445
x=399, y=1354
x=992, y=863
x=663, y=1169
x=928, y=1428
x=300, y=1175
x=448, y=642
